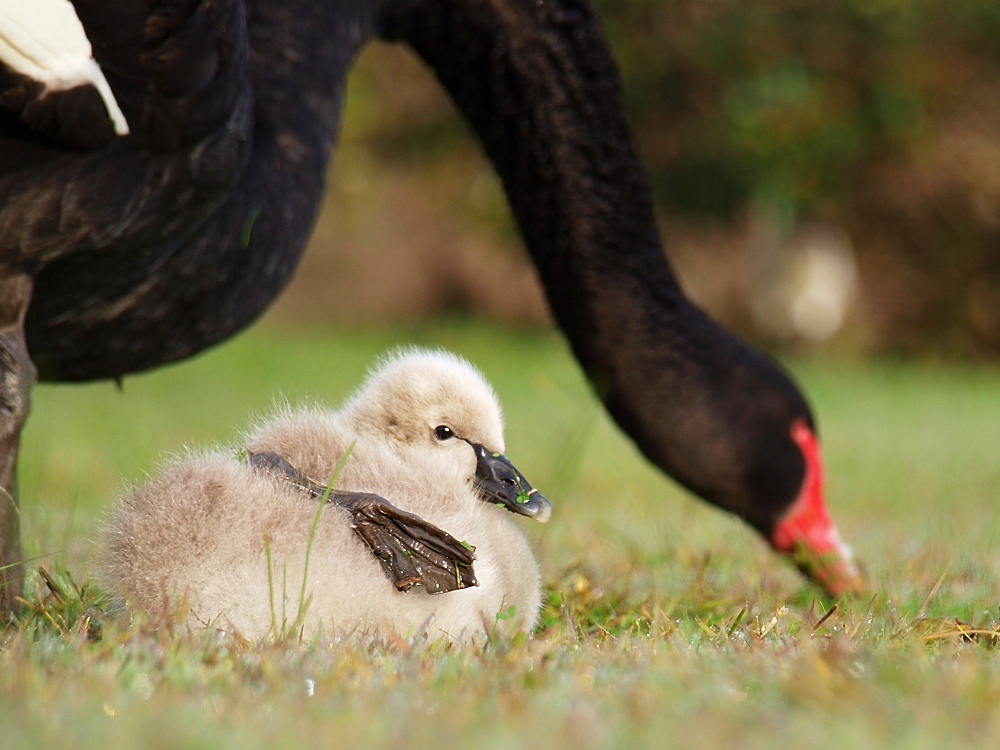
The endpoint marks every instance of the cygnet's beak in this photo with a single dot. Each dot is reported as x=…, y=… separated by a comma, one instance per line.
x=499, y=481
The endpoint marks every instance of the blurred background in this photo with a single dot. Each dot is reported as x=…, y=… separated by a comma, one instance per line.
x=827, y=174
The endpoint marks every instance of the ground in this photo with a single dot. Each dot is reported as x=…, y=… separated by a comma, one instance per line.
x=666, y=622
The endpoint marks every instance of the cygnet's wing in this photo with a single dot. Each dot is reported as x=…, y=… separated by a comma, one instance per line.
x=412, y=551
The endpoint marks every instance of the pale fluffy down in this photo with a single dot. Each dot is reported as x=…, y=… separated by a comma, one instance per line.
x=194, y=533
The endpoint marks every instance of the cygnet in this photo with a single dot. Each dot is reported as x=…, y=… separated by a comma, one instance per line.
x=222, y=538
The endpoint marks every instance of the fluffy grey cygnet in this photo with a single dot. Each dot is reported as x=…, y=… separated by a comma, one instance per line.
x=422, y=423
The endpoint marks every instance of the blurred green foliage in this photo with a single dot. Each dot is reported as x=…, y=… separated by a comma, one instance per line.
x=782, y=101
x=878, y=118
x=771, y=101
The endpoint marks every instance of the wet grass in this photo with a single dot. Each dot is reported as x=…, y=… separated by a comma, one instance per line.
x=666, y=622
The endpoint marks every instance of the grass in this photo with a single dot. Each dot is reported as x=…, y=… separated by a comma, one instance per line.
x=666, y=622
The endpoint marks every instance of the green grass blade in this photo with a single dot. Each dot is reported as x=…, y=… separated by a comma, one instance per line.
x=312, y=535
x=270, y=586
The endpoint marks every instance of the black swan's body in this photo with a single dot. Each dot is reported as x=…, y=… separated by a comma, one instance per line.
x=118, y=254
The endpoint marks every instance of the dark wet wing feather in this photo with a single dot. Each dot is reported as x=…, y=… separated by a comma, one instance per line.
x=412, y=551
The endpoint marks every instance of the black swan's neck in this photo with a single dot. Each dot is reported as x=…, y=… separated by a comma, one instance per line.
x=539, y=86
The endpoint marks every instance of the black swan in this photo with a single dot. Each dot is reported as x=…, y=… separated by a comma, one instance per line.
x=119, y=253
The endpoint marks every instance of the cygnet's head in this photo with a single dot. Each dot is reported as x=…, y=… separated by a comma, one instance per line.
x=441, y=406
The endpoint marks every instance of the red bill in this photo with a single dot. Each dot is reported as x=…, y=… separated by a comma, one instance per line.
x=806, y=531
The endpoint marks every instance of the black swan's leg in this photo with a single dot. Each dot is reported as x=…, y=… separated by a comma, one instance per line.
x=17, y=375
x=537, y=82
x=412, y=551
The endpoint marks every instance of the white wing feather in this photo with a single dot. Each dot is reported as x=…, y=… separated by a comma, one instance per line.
x=44, y=40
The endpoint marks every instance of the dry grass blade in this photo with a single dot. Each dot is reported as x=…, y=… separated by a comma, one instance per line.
x=965, y=633
x=824, y=618
x=781, y=612
x=930, y=596
x=52, y=584
x=868, y=611
x=705, y=628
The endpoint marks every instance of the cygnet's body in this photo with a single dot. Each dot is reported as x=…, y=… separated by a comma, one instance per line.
x=195, y=533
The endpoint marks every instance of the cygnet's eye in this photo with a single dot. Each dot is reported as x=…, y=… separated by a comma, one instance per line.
x=443, y=432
